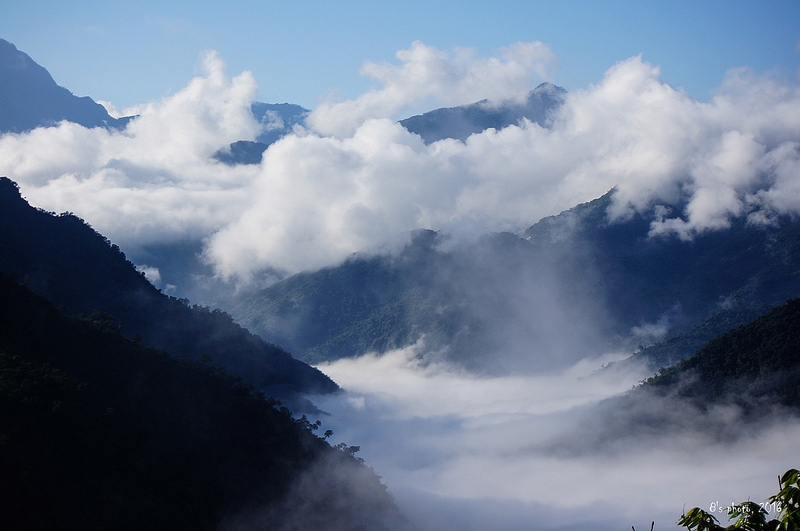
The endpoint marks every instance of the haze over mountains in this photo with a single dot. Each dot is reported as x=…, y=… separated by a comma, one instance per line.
x=571, y=231
x=607, y=283
x=316, y=199
x=457, y=123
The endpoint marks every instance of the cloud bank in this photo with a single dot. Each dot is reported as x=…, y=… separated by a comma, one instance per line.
x=356, y=181
x=427, y=73
x=152, y=182
x=542, y=452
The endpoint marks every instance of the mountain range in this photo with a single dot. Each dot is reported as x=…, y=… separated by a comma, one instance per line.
x=122, y=407
x=456, y=123
x=663, y=294
x=567, y=270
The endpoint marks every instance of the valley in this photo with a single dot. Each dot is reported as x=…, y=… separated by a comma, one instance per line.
x=566, y=308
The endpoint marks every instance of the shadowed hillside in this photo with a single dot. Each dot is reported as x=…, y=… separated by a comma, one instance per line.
x=65, y=260
x=756, y=361
x=98, y=432
x=609, y=284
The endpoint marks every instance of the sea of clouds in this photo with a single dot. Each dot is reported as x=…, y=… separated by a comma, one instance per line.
x=551, y=451
x=460, y=451
x=353, y=180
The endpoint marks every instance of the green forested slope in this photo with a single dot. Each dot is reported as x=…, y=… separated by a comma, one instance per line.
x=759, y=360
x=98, y=432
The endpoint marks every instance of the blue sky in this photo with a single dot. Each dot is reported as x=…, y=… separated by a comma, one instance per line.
x=301, y=52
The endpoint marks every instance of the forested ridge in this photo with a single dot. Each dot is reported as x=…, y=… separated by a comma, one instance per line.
x=760, y=359
x=99, y=432
x=65, y=260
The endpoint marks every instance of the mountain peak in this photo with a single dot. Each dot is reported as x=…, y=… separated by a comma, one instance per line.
x=548, y=88
x=30, y=97
x=461, y=122
x=12, y=59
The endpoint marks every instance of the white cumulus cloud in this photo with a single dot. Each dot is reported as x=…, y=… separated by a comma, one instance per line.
x=155, y=180
x=427, y=73
x=356, y=181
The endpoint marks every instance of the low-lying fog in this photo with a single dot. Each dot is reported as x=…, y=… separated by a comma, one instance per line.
x=518, y=452
x=458, y=451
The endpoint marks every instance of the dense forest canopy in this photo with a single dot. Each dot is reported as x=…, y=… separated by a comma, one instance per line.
x=100, y=432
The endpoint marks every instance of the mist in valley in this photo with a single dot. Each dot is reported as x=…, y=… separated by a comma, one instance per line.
x=556, y=451
x=544, y=430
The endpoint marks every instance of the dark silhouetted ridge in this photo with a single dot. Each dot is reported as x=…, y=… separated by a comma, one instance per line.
x=63, y=259
x=99, y=432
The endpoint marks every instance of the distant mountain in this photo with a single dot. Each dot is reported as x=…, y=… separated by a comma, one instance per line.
x=571, y=282
x=362, y=305
x=276, y=119
x=99, y=432
x=651, y=278
x=65, y=260
x=485, y=306
x=461, y=122
x=30, y=98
